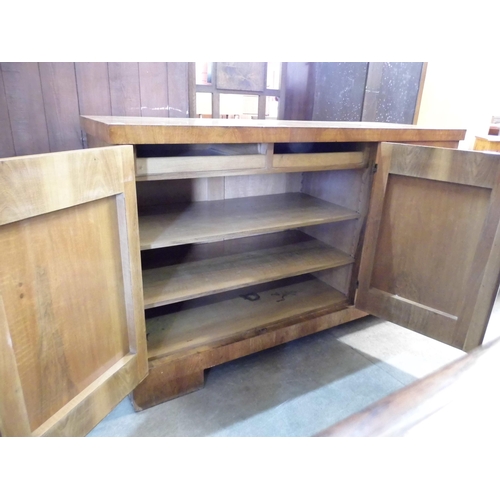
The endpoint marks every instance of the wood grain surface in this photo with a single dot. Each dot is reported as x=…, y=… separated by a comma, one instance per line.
x=178, y=98
x=199, y=164
x=173, y=376
x=23, y=92
x=487, y=143
x=124, y=88
x=81, y=177
x=259, y=185
x=71, y=288
x=154, y=88
x=184, y=281
x=429, y=262
x=229, y=320
x=58, y=338
x=149, y=130
x=60, y=98
x=217, y=220
x=93, y=88
x=319, y=161
x=6, y=140
x=14, y=420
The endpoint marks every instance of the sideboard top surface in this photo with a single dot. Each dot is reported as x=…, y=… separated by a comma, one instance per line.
x=156, y=130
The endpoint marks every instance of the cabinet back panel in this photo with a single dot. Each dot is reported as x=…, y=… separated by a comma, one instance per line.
x=338, y=278
x=343, y=187
x=179, y=191
x=260, y=185
x=340, y=235
x=215, y=188
x=62, y=285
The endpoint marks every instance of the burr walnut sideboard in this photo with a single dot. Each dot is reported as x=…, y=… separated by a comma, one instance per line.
x=233, y=236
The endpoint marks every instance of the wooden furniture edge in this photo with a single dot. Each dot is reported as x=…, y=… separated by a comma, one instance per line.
x=193, y=131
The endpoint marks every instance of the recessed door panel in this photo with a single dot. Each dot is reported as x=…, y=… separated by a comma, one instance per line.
x=429, y=262
x=71, y=293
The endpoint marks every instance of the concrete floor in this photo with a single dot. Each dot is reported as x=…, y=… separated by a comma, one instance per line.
x=297, y=389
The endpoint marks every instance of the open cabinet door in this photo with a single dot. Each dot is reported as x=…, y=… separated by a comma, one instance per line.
x=431, y=260
x=72, y=329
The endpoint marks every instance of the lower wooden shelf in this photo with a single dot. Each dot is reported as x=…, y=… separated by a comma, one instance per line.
x=201, y=333
x=299, y=254
x=234, y=316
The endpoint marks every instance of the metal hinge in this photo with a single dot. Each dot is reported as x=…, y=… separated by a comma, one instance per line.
x=357, y=284
x=375, y=168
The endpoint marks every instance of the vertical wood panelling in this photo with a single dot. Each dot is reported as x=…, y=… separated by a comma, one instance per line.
x=124, y=88
x=298, y=85
x=23, y=92
x=192, y=89
x=6, y=142
x=92, y=82
x=154, y=88
x=178, y=98
x=61, y=105
x=41, y=103
x=93, y=88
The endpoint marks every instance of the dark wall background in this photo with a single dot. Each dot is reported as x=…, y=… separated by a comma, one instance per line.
x=339, y=91
x=360, y=91
x=40, y=103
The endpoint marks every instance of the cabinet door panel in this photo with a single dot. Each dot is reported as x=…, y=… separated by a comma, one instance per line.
x=431, y=260
x=72, y=334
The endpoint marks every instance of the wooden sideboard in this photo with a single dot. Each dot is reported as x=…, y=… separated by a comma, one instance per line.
x=255, y=233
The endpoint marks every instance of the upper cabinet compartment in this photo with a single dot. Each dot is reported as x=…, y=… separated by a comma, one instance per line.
x=172, y=160
x=317, y=156
x=155, y=162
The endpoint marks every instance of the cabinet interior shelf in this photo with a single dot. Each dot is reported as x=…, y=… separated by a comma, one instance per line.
x=237, y=315
x=208, y=221
x=252, y=263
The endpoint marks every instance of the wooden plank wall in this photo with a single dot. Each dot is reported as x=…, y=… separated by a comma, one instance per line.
x=40, y=103
x=299, y=91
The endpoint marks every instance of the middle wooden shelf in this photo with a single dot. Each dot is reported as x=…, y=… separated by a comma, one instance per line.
x=192, y=271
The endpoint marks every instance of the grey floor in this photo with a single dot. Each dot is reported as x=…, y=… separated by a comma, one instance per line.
x=297, y=389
